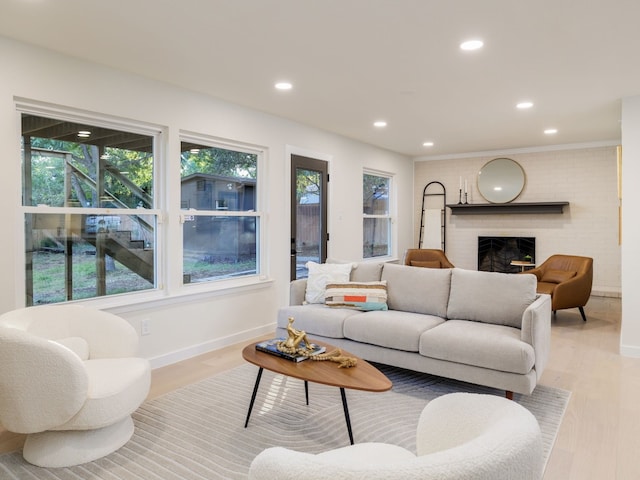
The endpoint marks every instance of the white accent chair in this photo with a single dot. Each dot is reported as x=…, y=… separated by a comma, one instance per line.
x=69, y=379
x=460, y=436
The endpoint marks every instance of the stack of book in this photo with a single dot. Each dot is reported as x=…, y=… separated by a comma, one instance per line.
x=271, y=346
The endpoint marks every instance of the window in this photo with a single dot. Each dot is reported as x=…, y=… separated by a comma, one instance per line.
x=221, y=224
x=376, y=210
x=88, y=205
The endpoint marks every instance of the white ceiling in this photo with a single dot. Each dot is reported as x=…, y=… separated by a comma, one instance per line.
x=356, y=61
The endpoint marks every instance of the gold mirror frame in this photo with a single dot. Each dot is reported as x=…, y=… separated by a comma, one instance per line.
x=501, y=180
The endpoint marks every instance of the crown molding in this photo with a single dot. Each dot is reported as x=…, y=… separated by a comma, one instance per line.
x=511, y=151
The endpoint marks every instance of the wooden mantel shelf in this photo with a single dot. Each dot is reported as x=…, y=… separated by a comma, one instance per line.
x=493, y=208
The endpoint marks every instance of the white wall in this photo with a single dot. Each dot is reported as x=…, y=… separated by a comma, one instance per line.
x=585, y=177
x=630, y=333
x=181, y=326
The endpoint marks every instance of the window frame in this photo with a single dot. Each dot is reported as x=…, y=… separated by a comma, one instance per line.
x=25, y=106
x=390, y=215
x=169, y=289
x=258, y=213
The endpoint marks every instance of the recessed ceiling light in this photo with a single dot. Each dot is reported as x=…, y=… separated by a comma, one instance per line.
x=284, y=86
x=380, y=124
x=471, y=45
x=427, y=144
x=551, y=131
x=524, y=105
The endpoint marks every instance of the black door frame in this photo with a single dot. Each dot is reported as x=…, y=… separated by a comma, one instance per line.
x=317, y=165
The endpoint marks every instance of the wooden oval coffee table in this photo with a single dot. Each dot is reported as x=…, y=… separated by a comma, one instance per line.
x=363, y=376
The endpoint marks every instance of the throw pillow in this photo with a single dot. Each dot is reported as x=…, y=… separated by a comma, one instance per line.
x=322, y=273
x=426, y=263
x=359, y=295
x=557, y=276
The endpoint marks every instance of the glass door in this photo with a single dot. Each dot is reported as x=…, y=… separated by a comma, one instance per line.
x=309, y=179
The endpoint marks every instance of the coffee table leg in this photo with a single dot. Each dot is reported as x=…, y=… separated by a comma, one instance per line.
x=346, y=414
x=306, y=391
x=253, y=396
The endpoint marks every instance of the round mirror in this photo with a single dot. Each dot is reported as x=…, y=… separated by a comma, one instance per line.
x=501, y=180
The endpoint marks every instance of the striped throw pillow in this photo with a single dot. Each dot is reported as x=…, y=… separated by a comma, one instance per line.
x=358, y=295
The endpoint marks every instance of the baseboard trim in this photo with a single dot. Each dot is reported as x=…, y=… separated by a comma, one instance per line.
x=206, y=347
x=630, y=351
x=606, y=292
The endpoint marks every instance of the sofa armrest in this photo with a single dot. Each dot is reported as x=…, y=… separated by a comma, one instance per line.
x=536, y=330
x=297, y=290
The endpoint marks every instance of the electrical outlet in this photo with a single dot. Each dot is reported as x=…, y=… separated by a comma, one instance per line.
x=145, y=329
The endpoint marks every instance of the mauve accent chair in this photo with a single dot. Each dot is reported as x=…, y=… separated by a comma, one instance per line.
x=70, y=380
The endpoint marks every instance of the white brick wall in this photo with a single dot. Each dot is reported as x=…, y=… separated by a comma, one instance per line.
x=586, y=178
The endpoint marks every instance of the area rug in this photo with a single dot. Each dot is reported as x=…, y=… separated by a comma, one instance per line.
x=197, y=432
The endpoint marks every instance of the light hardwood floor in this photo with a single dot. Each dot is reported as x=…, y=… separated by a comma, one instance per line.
x=600, y=434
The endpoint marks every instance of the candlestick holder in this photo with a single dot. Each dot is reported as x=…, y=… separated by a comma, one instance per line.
x=460, y=197
x=465, y=198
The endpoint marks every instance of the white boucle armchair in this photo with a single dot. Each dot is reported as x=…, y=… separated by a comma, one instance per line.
x=69, y=379
x=460, y=436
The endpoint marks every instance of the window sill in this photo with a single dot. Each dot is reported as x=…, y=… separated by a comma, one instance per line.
x=133, y=302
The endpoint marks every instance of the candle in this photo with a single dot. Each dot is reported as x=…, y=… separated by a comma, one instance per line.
x=461, y=183
x=465, y=185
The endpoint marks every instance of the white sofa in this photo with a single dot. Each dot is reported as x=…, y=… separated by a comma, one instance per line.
x=460, y=436
x=485, y=328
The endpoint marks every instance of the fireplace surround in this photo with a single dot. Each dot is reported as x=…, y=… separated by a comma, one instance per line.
x=495, y=254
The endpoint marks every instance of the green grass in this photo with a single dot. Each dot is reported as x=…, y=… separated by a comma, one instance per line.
x=49, y=276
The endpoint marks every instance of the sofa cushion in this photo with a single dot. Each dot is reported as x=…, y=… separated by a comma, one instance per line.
x=497, y=347
x=322, y=273
x=358, y=295
x=363, y=271
x=557, y=276
x=391, y=329
x=418, y=290
x=316, y=319
x=490, y=297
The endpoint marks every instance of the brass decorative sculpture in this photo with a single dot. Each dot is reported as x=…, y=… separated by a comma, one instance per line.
x=293, y=344
x=337, y=356
x=294, y=338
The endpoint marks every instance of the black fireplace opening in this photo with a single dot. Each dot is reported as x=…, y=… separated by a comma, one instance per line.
x=495, y=254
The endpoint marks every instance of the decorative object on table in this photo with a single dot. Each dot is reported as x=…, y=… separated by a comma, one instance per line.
x=297, y=344
x=336, y=356
x=271, y=346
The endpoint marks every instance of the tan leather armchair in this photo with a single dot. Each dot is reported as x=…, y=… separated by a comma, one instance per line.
x=426, y=257
x=568, y=279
